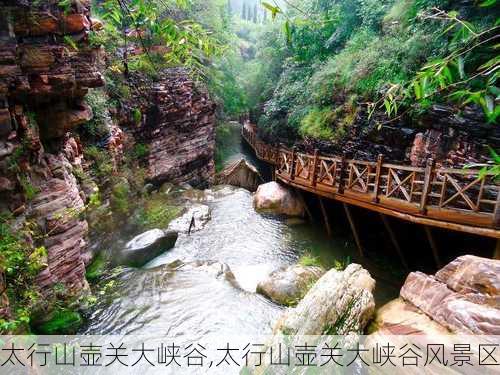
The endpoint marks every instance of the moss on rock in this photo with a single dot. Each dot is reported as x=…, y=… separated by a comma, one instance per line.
x=62, y=321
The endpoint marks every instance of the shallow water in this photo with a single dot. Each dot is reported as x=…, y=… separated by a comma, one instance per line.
x=176, y=299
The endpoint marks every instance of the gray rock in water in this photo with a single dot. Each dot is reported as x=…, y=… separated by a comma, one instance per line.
x=146, y=246
x=199, y=212
x=287, y=286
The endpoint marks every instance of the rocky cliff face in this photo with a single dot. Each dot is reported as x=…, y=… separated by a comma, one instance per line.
x=463, y=298
x=46, y=69
x=451, y=136
x=179, y=128
x=43, y=82
x=39, y=69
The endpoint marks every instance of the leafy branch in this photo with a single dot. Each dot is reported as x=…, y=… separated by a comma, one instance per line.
x=448, y=76
x=141, y=22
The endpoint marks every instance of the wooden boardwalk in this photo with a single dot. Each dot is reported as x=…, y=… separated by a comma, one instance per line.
x=454, y=199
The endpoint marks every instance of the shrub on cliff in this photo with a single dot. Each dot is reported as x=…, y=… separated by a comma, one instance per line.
x=157, y=212
x=98, y=127
x=20, y=263
x=102, y=165
x=397, y=56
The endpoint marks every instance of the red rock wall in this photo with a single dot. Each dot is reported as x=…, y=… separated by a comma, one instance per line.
x=463, y=296
x=40, y=70
x=179, y=128
x=43, y=82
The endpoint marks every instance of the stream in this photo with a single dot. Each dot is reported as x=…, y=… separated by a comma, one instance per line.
x=174, y=296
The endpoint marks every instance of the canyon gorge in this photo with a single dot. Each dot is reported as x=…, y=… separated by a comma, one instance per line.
x=133, y=202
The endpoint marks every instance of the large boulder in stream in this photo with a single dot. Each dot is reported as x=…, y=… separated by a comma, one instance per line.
x=147, y=246
x=462, y=298
x=278, y=199
x=241, y=174
x=340, y=303
x=287, y=286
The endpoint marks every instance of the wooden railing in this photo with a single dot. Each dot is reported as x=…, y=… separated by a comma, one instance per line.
x=456, y=199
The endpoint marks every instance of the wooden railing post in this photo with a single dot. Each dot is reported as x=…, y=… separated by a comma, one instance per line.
x=292, y=168
x=277, y=153
x=342, y=174
x=429, y=172
x=378, y=172
x=314, y=168
x=496, y=213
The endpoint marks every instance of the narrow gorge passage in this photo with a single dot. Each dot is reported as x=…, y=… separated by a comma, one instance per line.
x=188, y=291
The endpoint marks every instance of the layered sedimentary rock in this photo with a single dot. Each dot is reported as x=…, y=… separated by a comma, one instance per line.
x=56, y=209
x=398, y=317
x=476, y=278
x=39, y=69
x=179, y=127
x=448, y=307
x=43, y=82
x=463, y=297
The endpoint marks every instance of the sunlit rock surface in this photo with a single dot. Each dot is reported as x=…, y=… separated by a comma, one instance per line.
x=278, y=199
x=400, y=318
x=286, y=286
x=476, y=278
x=449, y=308
x=461, y=298
x=340, y=303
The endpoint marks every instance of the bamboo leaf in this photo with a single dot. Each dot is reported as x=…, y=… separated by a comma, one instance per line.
x=461, y=67
x=447, y=74
x=488, y=3
x=288, y=31
x=273, y=9
x=494, y=155
x=417, y=89
x=387, y=107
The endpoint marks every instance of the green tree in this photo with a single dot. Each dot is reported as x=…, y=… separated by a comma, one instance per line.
x=147, y=24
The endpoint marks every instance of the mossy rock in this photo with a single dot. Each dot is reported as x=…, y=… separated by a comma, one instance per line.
x=62, y=322
x=97, y=268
